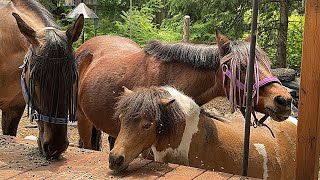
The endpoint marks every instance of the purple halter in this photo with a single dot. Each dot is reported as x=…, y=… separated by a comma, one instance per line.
x=234, y=81
x=227, y=73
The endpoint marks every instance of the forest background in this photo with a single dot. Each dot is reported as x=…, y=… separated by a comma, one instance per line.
x=280, y=22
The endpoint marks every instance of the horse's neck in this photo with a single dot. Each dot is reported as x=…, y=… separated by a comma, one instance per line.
x=29, y=15
x=13, y=45
x=182, y=76
x=175, y=147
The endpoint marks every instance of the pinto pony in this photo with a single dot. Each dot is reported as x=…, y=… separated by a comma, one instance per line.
x=173, y=125
x=31, y=40
x=106, y=63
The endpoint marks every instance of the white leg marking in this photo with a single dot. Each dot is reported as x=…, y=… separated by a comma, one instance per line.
x=191, y=111
x=262, y=151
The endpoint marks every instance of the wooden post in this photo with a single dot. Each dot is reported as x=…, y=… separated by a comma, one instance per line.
x=308, y=140
x=186, y=28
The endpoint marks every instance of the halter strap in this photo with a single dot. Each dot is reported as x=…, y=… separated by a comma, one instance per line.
x=226, y=72
x=259, y=83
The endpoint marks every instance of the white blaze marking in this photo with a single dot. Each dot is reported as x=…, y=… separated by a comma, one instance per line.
x=293, y=120
x=191, y=111
x=262, y=151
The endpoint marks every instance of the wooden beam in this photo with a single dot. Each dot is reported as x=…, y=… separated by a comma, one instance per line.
x=186, y=28
x=308, y=140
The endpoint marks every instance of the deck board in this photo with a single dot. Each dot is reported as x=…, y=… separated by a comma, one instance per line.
x=20, y=159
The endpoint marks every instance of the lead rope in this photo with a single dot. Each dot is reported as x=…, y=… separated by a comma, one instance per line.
x=257, y=122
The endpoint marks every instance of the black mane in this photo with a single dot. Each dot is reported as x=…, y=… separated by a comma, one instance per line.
x=197, y=55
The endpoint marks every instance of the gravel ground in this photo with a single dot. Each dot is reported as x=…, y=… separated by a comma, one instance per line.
x=221, y=104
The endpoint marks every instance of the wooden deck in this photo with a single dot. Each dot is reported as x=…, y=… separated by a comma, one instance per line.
x=20, y=159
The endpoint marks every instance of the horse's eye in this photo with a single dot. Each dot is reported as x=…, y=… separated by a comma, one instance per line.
x=147, y=126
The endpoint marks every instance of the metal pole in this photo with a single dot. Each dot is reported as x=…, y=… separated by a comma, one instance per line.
x=95, y=21
x=249, y=88
x=131, y=19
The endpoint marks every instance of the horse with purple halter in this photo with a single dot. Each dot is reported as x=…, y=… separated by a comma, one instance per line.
x=106, y=63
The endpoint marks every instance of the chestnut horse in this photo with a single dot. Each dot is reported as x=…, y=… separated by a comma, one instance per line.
x=173, y=125
x=31, y=40
x=106, y=63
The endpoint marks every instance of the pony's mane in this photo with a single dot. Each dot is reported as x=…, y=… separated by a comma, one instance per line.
x=145, y=102
x=202, y=55
x=197, y=55
x=44, y=15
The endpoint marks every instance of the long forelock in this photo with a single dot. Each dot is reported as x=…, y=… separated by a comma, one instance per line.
x=240, y=53
x=55, y=45
x=197, y=55
x=55, y=70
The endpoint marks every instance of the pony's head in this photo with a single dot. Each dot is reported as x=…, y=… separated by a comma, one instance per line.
x=270, y=98
x=144, y=115
x=49, y=80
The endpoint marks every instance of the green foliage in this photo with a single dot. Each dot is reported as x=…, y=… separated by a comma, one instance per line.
x=232, y=17
x=295, y=39
x=143, y=27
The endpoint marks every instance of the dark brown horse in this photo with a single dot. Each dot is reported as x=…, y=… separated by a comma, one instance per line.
x=31, y=40
x=176, y=129
x=107, y=63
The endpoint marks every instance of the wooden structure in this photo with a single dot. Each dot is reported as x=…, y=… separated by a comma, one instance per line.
x=20, y=159
x=186, y=28
x=308, y=142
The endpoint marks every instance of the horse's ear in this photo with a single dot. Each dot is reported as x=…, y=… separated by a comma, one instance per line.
x=25, y=29
x=126, y=91
x=221, y=39
x=74, y=32
x=223, y=43
x=166, y=101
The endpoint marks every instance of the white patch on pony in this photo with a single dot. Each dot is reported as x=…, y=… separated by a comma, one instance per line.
x=293, y=120
x=262, y=151
x=192, y=112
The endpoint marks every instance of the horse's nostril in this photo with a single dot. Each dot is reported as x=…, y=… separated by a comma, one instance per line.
x=119, y=161
x=282, y=101
x=45, y=147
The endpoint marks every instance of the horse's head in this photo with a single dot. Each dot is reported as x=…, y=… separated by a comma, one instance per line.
x=271, y=97
x=49, y=82
x=144, y=115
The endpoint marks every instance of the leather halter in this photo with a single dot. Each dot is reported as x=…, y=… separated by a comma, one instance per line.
x=261, y=83
x=26, y=95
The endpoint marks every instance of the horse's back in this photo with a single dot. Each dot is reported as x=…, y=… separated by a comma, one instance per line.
x=108, y=45
x=271, y=157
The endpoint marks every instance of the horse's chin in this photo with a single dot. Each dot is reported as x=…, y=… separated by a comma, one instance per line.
x=276, y=116
x=120, y=169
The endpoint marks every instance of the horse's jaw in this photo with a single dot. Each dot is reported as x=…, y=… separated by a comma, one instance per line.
x=276, y=116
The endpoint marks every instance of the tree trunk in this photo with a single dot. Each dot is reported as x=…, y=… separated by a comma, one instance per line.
x=282, y=34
